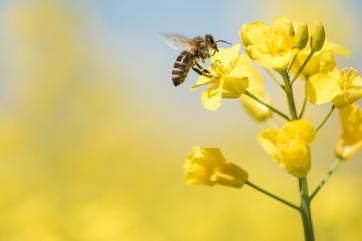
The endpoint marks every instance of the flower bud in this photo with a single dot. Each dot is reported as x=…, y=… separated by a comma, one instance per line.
x=301, y=36
x=317, y=36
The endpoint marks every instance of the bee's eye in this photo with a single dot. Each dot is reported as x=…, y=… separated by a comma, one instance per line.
x=210, y=40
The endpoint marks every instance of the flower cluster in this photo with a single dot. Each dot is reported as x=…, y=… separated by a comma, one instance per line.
x=291, y=52
x=288, y=49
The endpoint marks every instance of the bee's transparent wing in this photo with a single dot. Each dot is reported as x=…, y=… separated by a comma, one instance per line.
x=177, y=41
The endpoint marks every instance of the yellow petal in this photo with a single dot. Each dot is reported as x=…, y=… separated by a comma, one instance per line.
x=283, y=25
x=211, y=97
x=257, y=34
x=234, y=87
x=313, y=66
x=350, y=141
x=276, y=62
x=208, y=166
x=227, y=56
x=300, y=129
x=357, y=81
x=289, y=146
x=321, y=88
x=327, y=62
x=336, y=49
x=256, y=86
x=267, y=139
x=296, y=158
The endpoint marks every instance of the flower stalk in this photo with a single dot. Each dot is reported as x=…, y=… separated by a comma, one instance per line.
x=267, y=105
x=290, y=96
x=302, y=67
x=326, y=118
x=330, y=172
x=305, y=210
x=272, y=195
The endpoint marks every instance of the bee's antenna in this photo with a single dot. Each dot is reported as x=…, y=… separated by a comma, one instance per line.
x=224, y=41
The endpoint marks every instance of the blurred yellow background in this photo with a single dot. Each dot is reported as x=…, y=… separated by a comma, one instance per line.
x=93, y=134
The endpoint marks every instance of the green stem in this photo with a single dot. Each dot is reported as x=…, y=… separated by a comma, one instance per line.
x=292, y=62
x=305, y=210
x=290, y=96
x=266, y=105
x=272, y=195
x=326, y=118
x=302, y=67
x=303, y=108
x=330, y=172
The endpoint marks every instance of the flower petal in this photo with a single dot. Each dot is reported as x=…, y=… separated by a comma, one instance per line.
x=350, y=141
x=257, y=34
x=321, y=88
x=256, y=86
x=211, y=97
x=276, y=62
x=227, y=56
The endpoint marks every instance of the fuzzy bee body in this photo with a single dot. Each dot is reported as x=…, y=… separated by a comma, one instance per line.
x=195, y=50
x=181, y=67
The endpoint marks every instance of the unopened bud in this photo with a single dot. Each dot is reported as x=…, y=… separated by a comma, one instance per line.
x=301, y=36
x=317, y=36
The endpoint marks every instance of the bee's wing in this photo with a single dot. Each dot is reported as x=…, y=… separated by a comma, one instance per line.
x=177, y=41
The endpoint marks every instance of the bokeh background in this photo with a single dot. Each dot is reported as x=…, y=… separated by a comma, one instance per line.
x=93, y=134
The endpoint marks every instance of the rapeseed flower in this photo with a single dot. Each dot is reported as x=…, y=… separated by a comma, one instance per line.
x=273, y=47
x=208, y=166
x=289, y=147
x=228, y=81
x=350, y=141
x=331, y=85
x=314, y=64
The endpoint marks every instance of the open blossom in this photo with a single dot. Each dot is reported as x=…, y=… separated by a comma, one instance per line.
x=350, y=141
x=331, y=85
x=228, y=81
x=289, y=146
x=273, y=47
x=315, y=63
x=207, y=166
x=256, y=86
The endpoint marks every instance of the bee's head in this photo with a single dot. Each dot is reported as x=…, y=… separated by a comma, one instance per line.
x=212, y=43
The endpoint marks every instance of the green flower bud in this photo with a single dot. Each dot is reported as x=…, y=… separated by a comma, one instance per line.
x=318, y=36
x=301, y=36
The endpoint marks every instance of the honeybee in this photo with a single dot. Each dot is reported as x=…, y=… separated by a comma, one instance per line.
x=195, y=50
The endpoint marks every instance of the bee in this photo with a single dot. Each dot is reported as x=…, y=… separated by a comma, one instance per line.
x=194, y=50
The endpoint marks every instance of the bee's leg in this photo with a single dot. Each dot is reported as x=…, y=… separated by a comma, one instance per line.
x=203, y=72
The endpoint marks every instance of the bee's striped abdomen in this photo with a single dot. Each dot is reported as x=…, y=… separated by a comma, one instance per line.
x=181, y=67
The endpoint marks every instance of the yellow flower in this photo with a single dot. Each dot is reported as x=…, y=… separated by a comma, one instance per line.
x=314, y=64
x=350, y=141
x=273, y=47
x=342, y=88
x=229, y=81
x=256, y=86
x=289, y=147
x=207, y=166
